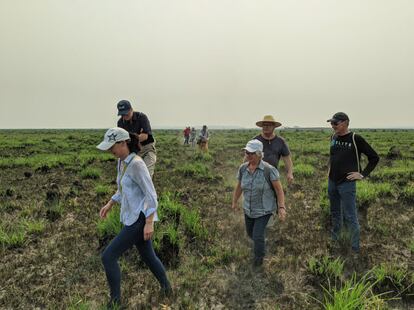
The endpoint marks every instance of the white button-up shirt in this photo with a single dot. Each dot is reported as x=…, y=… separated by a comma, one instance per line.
x=136, y=192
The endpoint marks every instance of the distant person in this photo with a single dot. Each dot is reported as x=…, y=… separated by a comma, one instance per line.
x=186, y=133
x=203, y=139
x=258, y=181
x=138, y=199
x=344, y=169
x=193, y=135
x=274, y=147
x=139, y=128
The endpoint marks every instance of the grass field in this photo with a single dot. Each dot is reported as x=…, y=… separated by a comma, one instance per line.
x=53, y=183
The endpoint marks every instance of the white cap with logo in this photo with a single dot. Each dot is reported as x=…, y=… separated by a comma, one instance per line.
x=112, y=136
x=254, y=146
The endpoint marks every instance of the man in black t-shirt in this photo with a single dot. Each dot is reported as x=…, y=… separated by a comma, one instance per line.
x=344, y=169
x=139, y=128
x=274, y=147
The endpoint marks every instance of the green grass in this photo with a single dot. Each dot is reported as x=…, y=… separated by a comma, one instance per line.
x=202, y=157
x=352, y=295
x=400, y=169
x=303, y=170
x=90, y=173
x=169, y=207
x=192, y=223
x=197, y=170
x=38, y=161
x=324, y=200
x=393, y=279
x=326, y=267
x=411, y=246
x=55, y=210
x=368, y=192
x=173, y=234
x=102, y=190
x=12, y=237
x=78, y=303
x=35, y=226
x=408, y=192
x=111, y=225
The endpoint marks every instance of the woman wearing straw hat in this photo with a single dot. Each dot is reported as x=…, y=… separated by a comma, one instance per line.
x=274, y=147
x=138, y=199
x=258, y=181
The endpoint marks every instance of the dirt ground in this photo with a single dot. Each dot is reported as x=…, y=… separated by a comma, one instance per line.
x=59, y=267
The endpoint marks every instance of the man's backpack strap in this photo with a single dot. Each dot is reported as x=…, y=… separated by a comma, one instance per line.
x=356, y=151
x=267, y=169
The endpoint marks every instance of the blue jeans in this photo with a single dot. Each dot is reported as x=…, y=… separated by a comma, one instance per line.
x=256, y=228
x=129, y=236
x=342, y=198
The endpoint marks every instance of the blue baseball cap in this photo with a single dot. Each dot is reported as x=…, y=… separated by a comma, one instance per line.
x=123, y=107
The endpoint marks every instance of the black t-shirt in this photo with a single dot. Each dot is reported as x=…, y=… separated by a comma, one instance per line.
x=273, y=149
x=138, y=124
x=343, y=157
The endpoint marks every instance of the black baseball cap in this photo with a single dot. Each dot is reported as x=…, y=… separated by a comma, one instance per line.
x=338, y=117
x=123, y=107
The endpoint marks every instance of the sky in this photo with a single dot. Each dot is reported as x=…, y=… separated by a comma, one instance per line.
x=66, y=64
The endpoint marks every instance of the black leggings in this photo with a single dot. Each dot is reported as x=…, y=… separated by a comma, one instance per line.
x=129, y=236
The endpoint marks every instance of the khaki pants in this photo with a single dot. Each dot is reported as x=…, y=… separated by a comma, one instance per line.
x=148, y=154
x=204, y=146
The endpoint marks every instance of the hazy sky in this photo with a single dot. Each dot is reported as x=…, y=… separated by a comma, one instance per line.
x=65, y=64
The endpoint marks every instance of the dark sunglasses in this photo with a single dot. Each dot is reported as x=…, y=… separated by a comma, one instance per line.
x=336, y=123
x=250, y=153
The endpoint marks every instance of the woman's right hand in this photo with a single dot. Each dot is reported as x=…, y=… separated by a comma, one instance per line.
x=104, y=210
x=282, y=214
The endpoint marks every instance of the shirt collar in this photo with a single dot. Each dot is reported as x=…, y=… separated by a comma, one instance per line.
x=128, y=159
x=261, y=165
x=133, y=118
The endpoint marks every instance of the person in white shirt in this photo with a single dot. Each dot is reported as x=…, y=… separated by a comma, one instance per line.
x=138, y=199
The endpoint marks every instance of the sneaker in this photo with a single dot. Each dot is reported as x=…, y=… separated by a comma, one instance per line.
x=166, y=292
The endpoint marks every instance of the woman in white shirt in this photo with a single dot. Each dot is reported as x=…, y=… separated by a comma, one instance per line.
x=138, y=199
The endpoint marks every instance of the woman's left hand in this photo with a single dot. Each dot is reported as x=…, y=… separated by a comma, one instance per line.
x=353, y=176
x=148, y=230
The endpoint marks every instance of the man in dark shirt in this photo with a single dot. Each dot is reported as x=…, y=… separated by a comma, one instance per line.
x=139, y=128
x=274, y=147
x=344, y=169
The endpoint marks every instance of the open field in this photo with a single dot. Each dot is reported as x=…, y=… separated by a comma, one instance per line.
x=53, y=183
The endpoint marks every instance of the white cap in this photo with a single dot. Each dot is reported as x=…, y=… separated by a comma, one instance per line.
x=254, y=146
x=112, y=136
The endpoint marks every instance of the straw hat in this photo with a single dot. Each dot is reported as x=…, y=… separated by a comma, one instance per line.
x=268, y=119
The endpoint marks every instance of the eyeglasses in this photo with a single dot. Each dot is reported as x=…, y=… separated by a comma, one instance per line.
x=336, y=123
x=250, y=153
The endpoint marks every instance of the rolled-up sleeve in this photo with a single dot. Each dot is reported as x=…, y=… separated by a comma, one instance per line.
x=116, y=197
x=274, y=174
